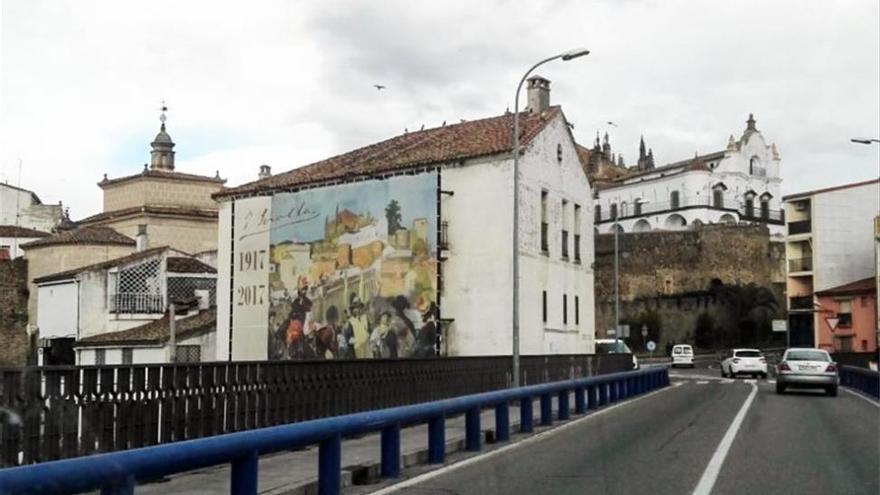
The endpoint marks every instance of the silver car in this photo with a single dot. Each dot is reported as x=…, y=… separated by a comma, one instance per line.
x=807, y=368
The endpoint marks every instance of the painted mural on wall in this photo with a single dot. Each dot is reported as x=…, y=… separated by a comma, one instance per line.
x=353, y=271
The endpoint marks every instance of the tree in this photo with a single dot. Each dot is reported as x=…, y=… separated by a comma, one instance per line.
x=392, y=213
x=750, y=307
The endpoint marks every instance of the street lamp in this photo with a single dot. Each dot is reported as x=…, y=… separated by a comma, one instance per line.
x=865, y=140
x=569, y=55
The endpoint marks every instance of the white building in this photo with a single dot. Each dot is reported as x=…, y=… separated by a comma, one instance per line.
x=464, y=201
x=829, y=242
x=115, y=312
x=22, y=208
x=12, y=237
x=738, y=184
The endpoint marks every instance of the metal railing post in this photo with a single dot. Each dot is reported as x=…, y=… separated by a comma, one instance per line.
x=613, y=391
x=437, y=440
x=244, y=475
x=526, y=415
x=591, y=397
x=502, y=422
x=391, y=451
x=562, y=401
x=473, y=434
x=546, y=409
x=603, y=394
x=580, y=405
x=330, y=465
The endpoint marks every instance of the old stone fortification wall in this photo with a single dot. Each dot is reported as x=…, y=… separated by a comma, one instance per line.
x=668, y=273
x=13, y=312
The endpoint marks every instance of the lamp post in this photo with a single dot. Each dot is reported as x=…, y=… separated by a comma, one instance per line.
x=569, y=55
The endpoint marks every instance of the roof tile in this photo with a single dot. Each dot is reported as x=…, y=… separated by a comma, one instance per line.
x=83, y=235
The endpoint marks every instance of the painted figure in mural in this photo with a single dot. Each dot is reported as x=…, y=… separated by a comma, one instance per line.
x=326, y=343
x=403, y=328
x=357, y=330
x=383, y=341
x=427, y=337
x=295, y=339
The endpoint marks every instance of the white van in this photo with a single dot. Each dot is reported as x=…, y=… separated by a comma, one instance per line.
x=682, y=355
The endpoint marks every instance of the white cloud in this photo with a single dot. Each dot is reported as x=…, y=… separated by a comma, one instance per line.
x=287, y=83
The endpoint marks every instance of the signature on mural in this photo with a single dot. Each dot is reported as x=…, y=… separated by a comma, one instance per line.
x=254, y=224
x=357, y=278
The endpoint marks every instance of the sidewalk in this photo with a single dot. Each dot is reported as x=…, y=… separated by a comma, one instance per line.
x=296, y=472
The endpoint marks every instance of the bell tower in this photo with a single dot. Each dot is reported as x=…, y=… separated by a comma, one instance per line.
x=162, y=155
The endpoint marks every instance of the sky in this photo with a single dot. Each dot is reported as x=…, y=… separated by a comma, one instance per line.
x=288, y=83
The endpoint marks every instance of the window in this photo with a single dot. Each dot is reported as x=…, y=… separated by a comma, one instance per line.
x=544, y=246
x=127, y=356
x=864, y=345
x=598, y=214
x=750, y=206
x=765, y=209
x=637, y=207
x=577, y=233
x=100, y=356
x=577, y=310
x=544, y=306
x=844, y=313
x=565, y=309
x=188, y=354
x=614, y=210
x=559, y=153
x=718, y=198
x=564, y=229
x=674, y=200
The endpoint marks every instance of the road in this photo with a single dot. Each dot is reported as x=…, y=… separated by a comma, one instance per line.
x=703, y=435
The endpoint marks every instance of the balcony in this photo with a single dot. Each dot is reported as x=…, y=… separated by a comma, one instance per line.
x=137, y=303
x=800, y=227
x=801, y=302
x=800, y=265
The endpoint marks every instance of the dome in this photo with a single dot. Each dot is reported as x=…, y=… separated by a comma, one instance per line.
x=163, y=137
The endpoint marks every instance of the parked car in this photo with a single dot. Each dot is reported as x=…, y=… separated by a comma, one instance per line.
x=682, y=355
x=744, y=362
x=807, y=368
x=614, y=346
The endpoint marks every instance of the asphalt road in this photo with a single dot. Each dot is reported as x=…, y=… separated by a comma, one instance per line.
x=666, y=443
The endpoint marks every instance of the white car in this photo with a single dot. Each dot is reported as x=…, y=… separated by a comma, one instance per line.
x=744, y=362
x=682, y=355
x=614, y=346
x=807, y=368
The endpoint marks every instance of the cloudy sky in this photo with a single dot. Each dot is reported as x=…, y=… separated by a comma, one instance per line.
x=287, y=83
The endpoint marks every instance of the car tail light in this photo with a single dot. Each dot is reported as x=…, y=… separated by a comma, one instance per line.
x=764, y=360
x=831, y=368
x=783, y=366
x=735, y=360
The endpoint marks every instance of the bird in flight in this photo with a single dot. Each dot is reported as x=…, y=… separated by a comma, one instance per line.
x=379, y=87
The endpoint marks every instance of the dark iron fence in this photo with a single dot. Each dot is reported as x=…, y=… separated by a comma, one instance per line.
x=857, y=359
x=67, y=411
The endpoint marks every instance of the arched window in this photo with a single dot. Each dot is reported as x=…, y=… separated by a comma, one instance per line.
x=637, y=207
x=613, y=210
x=642, y=226
x=675, y=222
x=765, y=205
x=750, y=204
x=718, y=198
x=674, y=202
x=624, y=209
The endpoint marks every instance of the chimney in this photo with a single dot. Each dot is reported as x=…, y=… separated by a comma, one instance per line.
x=538, y=90
x=265, y=171
x=142, y=242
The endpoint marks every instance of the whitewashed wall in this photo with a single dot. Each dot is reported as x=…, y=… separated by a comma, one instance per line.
x=14, y=245
x=57, y=314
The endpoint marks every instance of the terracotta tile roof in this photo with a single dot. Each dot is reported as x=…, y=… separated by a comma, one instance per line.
x=180, y=264
x=155, y=332
x=69, y=274
x=858, y=287
x=16, y=231
x=471, y=139
x=829, y=189
x=152, y=210
x=83, y=235
x=163, y=174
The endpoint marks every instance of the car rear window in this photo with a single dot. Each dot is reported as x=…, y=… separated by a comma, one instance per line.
x=619, y=347
x=748, y=354
x=807, y=356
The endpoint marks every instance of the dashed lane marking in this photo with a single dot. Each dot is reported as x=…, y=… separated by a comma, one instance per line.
x=702, y=382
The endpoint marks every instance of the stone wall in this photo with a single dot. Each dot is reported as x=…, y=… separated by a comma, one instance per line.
x=668, y=274
x=13, y=312
x=160, y=192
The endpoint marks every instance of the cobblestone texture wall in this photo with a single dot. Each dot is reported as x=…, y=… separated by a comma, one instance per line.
x=13, y=312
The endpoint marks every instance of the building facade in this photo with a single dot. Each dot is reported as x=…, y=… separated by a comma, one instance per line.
x=852, y=310
x=739, y=184
x=12, y=237
x=174, y=208
x=829, y=242
x=109, y=305
x=22, y=208
x=404, y=248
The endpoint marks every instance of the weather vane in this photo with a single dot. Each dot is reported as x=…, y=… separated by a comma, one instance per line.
x=162, y=117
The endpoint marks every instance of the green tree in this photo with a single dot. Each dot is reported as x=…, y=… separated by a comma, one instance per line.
x=392, y=213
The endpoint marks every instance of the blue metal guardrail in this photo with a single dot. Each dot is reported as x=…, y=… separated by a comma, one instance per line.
x=861, y=379
x=118, y=472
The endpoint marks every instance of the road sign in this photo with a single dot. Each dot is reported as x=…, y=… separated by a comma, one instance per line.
x=780, y=325
x=624, y=331
x=651, y=345
x=644, y=331
x=832, y=322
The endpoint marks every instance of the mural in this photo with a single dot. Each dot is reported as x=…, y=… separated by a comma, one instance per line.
x=353, y=271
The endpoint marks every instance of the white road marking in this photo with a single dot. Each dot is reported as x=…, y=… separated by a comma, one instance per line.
x=702, y=382
x=527, y=441
x=860, y=396
x=710, y=475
